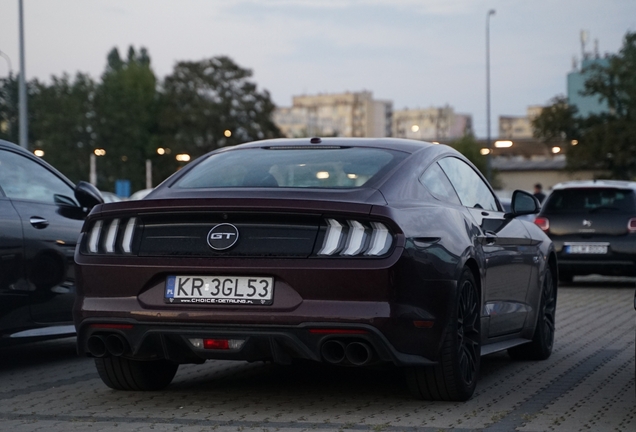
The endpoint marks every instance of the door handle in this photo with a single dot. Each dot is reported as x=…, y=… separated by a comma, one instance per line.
x=38, y=222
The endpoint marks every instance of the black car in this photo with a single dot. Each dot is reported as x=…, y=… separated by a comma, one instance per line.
x=593, y=227
x=41, y=215
x=351, y=252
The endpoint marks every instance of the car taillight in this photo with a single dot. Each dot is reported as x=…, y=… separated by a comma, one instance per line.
x=542, y=223
x=354, y=238
x=111, y=236
x=631, y=225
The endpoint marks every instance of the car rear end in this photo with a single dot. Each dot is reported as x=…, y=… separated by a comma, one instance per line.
x=593, y=227
x=295, y=262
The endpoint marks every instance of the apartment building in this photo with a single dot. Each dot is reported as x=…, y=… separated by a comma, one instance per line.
x=350, y=114
x=431, y=124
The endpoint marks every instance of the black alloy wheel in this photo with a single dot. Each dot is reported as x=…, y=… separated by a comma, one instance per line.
x=455, y=377
x=120, y=373
x=540, y=348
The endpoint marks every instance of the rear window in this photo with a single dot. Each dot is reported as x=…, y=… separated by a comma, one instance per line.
x=296, y=167
x=591, y=200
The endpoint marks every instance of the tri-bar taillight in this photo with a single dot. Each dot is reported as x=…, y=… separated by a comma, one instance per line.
x=353, y=238
x=111, y=236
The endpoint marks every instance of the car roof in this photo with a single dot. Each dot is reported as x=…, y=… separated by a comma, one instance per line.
x=12, y=146
x=580, y=184
x=404, y=145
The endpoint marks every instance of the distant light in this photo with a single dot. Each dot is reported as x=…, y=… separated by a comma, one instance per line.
x=574, y=142
x=168, y=151
x=183, y=157
x=124, y=158
x=39, y=153
x=556, y=150
x=484, y=151
x=415, y=128
x=161, y=151
x=503, y=144
x=352, y=176
x=227, y=133
x=99, y=152
x=322, y=175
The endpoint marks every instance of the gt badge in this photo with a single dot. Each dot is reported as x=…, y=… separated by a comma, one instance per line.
x=223, y=236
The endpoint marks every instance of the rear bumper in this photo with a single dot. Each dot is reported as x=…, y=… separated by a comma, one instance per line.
x=280, y=344
x=601, y=267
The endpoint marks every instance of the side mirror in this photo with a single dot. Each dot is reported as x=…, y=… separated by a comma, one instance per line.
x=88, y=195
x=523, y=203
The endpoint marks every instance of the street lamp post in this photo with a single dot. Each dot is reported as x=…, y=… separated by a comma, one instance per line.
x=93, y=165
x=22, y=96
x=6, y=57
x=488, y=143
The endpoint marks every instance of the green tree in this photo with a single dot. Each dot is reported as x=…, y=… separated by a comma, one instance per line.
x=62, y=123
x=9, y=109
x=606, y=141
x=557, y=122
x=126, y=107
x=203, y=100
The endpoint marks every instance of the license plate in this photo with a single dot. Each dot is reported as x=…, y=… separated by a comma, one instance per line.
x=586, y=248
x=247, y=290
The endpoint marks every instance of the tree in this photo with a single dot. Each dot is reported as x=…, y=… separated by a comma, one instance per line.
x=557, y=122
x=9, y=109
x=126, y=107
x=606, y=141
x=62, y=123
x=211, y=104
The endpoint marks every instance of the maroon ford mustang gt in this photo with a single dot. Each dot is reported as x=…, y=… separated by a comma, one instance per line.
x=345, y=251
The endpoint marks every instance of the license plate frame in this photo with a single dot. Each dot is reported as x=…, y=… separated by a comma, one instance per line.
x=229, y=290
x=586, y=248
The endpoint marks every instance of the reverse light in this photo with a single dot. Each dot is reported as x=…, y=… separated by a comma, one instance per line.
x=631, y=225
x=542, y=223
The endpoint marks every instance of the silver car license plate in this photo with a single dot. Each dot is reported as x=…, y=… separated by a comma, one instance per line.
x=235, y=290
x=586, y=248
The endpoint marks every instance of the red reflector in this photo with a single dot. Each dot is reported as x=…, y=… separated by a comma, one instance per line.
x=631, y=225
x=216, y=344
x=423, y=324
x=542, y=223
x=113, y=326
x=337, y=331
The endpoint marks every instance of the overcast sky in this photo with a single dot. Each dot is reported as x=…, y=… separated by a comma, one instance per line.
x=417, y=53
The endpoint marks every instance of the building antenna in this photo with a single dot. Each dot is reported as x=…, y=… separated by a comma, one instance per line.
x=584, y=37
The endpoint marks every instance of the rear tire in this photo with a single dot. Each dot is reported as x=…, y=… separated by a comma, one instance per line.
x=543, y=339
x=133, y=375
x=455, y=377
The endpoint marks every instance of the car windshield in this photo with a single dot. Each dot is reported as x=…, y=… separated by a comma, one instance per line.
x=591, y=200
x=295, y=167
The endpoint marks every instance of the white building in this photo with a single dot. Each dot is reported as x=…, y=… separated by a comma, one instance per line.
x=343, y=114
x=431, y=124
